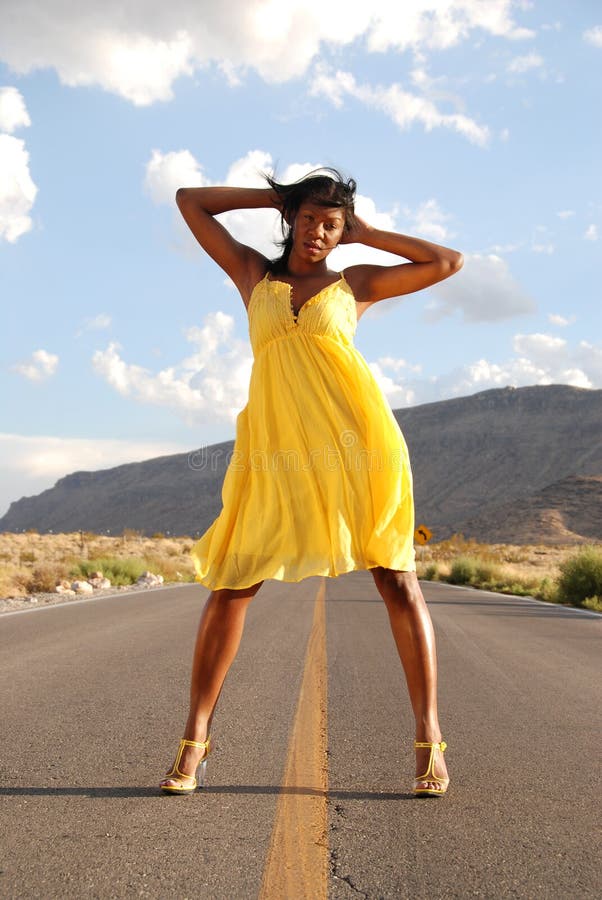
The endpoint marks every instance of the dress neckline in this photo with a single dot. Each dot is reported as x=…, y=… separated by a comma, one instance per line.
x=339, y=280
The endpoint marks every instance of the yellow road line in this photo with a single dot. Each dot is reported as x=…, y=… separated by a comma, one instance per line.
x=297, y=861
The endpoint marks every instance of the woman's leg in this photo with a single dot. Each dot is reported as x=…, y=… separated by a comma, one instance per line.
x=217, y=642
x=413, y=632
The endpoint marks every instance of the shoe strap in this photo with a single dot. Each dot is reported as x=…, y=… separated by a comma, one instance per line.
x=203, y=745
x=429, y=775
x=437, y=745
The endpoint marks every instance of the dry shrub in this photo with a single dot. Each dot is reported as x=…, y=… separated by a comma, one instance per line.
x=45, y=577
x=26, y=556
x=12, y=581
x=172, y=569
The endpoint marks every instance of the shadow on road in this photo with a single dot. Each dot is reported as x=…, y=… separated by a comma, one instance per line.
x=268, y=789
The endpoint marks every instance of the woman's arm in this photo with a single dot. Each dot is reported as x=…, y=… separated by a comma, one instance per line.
x=429, y=264
x=199, y=206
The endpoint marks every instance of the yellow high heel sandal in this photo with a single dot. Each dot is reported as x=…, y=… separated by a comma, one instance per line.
x=429, y=775
x=194, y=781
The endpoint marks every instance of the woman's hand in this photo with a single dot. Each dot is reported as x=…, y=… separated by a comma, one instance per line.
x=429, y=264
x=357, y=234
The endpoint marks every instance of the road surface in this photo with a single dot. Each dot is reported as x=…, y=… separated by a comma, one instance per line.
x=309, y=785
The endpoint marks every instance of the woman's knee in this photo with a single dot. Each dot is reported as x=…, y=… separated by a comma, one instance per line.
x=225, y=595
x=397, y=588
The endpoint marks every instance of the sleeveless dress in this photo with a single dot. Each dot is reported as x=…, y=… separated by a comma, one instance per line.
x=319, y=481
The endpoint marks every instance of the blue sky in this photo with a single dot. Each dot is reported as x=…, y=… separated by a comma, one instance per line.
x=473, y=123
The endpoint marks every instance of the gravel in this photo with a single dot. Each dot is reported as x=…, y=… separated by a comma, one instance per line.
x=37, y=600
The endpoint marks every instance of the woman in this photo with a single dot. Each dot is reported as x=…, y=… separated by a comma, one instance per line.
x=319, y=482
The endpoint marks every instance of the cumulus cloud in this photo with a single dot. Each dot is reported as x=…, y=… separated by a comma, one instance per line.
x=33, y=463
x=17, y=189
x=591, y=233
x=593, y=36
x=404, y=108
x=210, y=385
x=166, y=172
x=537, y=359
x=39, y=367
x=13, y=112
x=483, y=291
x=139, y=50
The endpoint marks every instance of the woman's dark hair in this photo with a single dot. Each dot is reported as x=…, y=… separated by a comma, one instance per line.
x=324, y=187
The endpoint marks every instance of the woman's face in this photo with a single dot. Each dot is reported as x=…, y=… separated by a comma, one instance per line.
x=317, y=230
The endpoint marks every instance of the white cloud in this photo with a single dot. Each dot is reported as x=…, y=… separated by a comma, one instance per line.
x=40, y=366
x=590, y=358
x=210, y=385
x=32, y=463
x=525, y=63
x=565, y=213
x=405, y=109
x=435, y=25
x=591, y=233
x=94, y=323
x=166, y=172
x=593, y=36
x=13, y=112
x=543, y=248
x=17, y=189
x=429, y=221
x=561, y=321
x=539, y=348
x=139, y=50
x=537, y=359
x=484, y=290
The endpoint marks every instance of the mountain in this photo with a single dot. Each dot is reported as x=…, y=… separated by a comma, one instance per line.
x=525, y=463
x=564, y=512
x=473, y=454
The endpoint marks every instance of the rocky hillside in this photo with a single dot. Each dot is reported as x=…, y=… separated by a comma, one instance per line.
x=566, y=512
x=515, y=464
x=473, y=454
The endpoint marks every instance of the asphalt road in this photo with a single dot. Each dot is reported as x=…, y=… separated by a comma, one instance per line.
x=93, y=702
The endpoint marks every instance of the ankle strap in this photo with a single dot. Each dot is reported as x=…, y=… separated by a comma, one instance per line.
x=204, y=745
x=438, y=745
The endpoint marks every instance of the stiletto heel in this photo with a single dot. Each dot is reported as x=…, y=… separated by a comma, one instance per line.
x=194, y=781
x=429, y=775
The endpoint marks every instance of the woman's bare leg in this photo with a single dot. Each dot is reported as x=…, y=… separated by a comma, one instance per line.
x=217, y=642
x=413, y=632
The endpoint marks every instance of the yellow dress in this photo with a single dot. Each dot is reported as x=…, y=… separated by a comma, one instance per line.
x=319, y=481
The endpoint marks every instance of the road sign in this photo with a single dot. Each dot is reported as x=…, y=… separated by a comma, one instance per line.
x=422, y=535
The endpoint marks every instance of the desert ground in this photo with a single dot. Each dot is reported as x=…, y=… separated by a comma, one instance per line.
x=33, y=564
